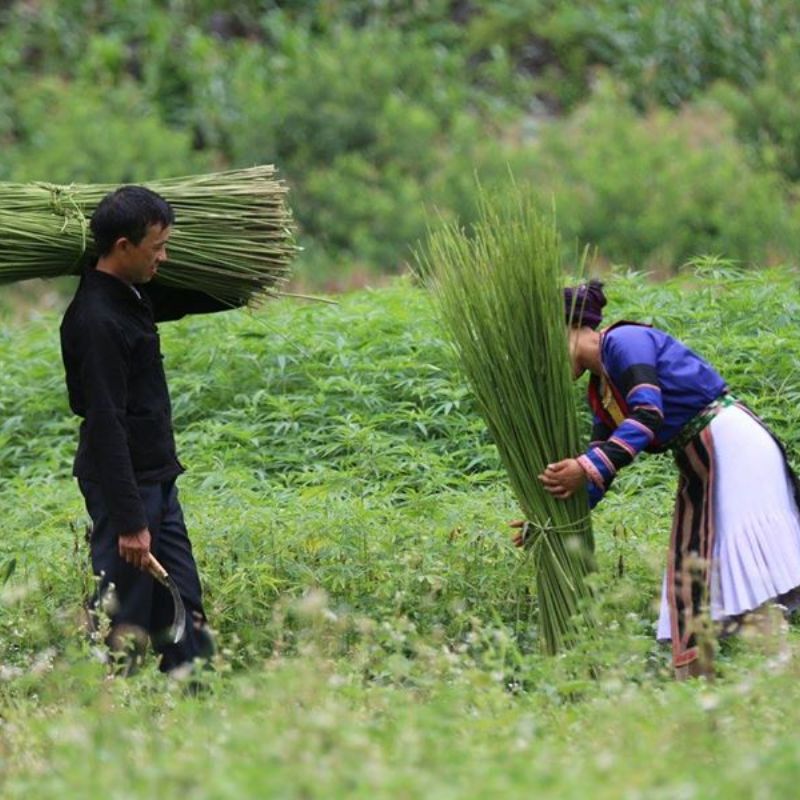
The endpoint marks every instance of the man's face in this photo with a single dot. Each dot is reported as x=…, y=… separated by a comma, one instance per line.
x=141, y=260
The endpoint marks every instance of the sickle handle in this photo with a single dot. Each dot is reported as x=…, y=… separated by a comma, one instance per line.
x=156, y=570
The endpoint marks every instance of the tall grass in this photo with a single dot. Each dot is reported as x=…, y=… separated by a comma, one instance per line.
x=498, y=290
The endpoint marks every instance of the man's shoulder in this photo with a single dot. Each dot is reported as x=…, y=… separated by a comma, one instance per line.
x=89, y=312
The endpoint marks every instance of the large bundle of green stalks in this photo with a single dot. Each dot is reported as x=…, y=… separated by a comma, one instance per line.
x=233, y=236
x=498, y=288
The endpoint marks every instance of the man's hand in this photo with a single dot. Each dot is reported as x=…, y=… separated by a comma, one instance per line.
x=563, y=478
x=135, y=548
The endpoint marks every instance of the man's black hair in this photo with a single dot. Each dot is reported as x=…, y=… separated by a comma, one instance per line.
x=128, y=211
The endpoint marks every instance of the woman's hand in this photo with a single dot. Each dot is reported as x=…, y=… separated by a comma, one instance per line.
x=563, y=478
x=521, y=533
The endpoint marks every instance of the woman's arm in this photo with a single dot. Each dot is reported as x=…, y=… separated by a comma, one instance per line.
x=630, y=359
x=604, y=459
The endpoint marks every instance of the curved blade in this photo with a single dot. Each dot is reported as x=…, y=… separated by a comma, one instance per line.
x=178, y=627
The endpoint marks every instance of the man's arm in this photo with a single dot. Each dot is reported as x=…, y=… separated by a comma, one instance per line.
x=171, y=303
x=104, y=362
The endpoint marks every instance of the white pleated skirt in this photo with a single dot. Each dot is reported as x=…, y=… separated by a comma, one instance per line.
x=756, y=550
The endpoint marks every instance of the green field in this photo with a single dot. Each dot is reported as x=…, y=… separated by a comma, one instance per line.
x=377, y=629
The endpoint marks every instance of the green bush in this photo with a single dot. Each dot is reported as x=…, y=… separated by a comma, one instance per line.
x=367, y=142
x=768, y=114
x=72, y=132
x=654, y=190
x=665, y=53
x=669, y=52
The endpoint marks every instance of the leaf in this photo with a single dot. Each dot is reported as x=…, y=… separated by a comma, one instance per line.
x=8, y=570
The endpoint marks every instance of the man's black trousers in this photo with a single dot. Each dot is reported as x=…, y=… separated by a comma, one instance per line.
x=140, y=601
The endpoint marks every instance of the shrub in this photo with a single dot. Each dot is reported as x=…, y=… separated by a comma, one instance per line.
x=655, y=190
x=367, y=141
x=768, y=114
x=665, y=53
x=74, y=132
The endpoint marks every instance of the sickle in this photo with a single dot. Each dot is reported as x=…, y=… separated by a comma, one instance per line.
x=178, y=627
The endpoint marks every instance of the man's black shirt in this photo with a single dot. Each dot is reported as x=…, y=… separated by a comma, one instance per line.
x=116, y=383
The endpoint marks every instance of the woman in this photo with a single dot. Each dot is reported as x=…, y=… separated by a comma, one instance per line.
x=736, y=527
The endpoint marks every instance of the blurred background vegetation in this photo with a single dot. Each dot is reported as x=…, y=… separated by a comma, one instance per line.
x=659, y=130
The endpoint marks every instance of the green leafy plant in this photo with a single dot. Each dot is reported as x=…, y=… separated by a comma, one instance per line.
x=347, y=513
x=628, y=185
x=88, y=131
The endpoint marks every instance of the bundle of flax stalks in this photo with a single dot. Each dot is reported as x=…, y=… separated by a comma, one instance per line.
x=498, y=288
x=233, y=236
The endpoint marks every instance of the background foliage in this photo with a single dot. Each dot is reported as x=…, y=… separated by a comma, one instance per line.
x=661, y=130
x=377, y=630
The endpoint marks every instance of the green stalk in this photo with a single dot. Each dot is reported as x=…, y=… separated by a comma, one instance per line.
x=498, y=290
x=233, y=236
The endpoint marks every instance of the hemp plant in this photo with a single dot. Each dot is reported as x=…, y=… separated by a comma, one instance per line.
x=233, y=236
x=498, y=292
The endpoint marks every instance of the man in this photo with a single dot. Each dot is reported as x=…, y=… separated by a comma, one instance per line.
x=126, y=464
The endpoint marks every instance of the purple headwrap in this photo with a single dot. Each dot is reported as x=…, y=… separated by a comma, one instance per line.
x=583, y=305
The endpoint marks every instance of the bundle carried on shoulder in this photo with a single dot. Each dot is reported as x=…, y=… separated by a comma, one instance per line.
x=233, y=238
x=498, y=291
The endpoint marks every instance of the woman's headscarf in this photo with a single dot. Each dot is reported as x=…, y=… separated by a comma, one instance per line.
x=583, y=305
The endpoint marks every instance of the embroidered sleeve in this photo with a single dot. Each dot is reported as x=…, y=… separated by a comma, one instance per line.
x=639, y=384
x=600, y=431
